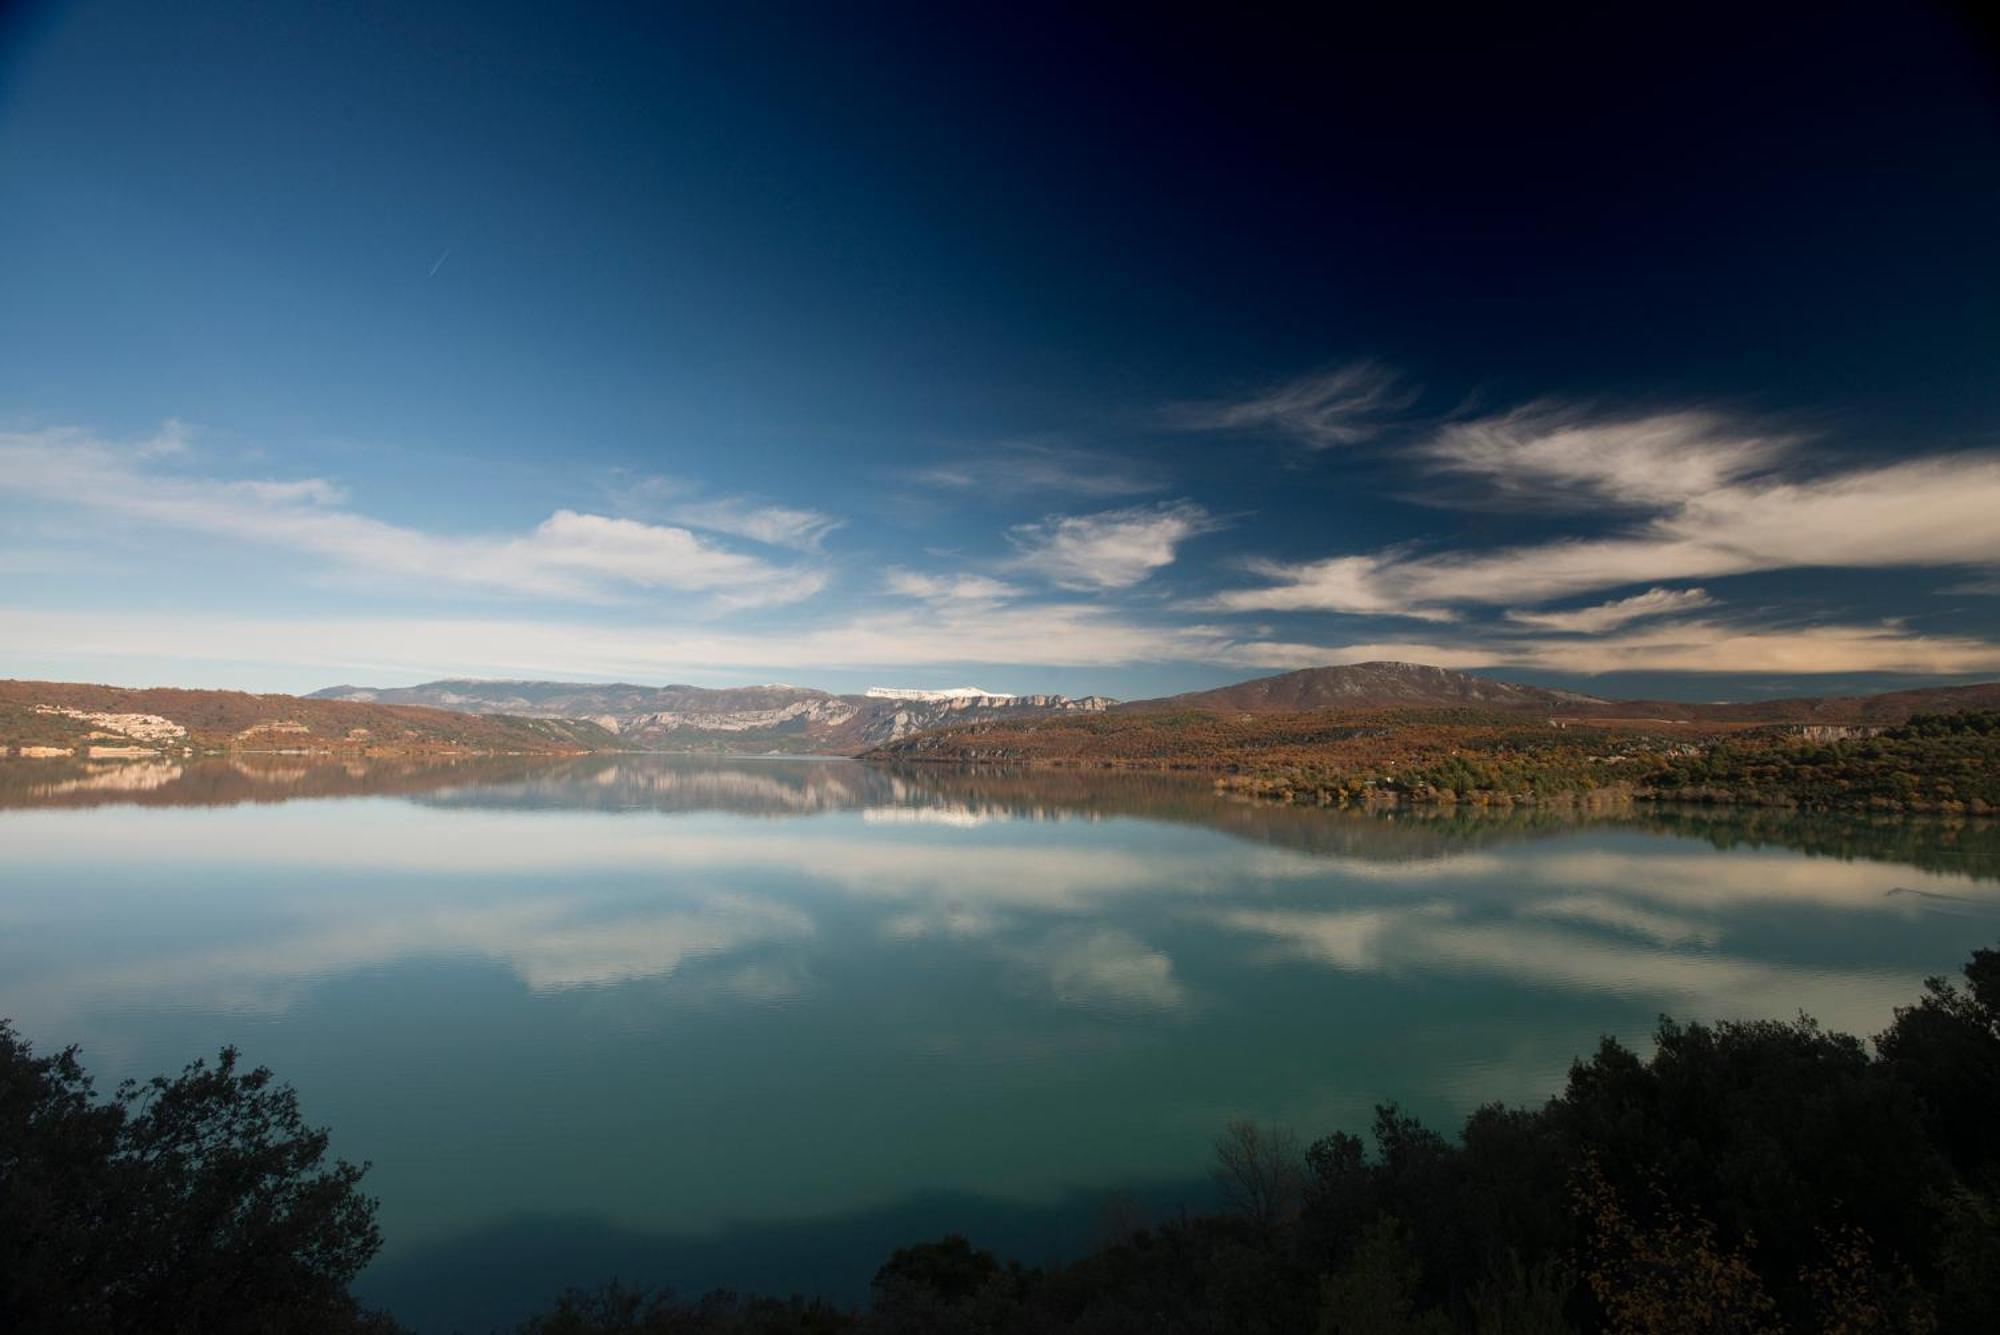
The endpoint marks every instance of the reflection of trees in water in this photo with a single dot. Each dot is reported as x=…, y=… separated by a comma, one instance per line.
x=782, y=787
x=1969, y=847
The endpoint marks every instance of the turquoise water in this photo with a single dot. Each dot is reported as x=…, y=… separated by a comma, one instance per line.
x=754, y=1023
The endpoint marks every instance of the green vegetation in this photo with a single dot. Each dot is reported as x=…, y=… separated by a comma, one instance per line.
x=1935, y=762
x=1758, y=1177
x=1315, y=747
x=234, y=721
x=1947, y=763
x=198, y=1204
x=22, y=725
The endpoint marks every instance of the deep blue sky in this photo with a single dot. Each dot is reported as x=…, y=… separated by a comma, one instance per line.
x=854, y=345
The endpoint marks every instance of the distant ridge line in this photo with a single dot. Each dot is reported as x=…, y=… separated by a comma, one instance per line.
x=1387, y=685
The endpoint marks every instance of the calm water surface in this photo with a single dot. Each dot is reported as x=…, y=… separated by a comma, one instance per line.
x=754, y=1023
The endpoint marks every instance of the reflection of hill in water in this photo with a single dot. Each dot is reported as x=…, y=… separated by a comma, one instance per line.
x=747, y=787
x=782, y=788
x=1968, y=847
x=785, y=787
x=1971, y=847
x=221, y=782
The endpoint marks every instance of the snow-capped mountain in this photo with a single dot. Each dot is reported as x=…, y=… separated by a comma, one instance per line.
x=948, y=693
x=738, y=719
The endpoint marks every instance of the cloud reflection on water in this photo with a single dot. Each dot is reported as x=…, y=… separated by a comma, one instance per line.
x=308, y=891
x=627, y=981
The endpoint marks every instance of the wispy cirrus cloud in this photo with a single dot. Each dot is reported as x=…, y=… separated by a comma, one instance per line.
x=1027, y=468
x=958, y=588
x=1619, y=612
x=1693, y=646
x=569, y=555
x=1076, y=634
x=656, y=498
x=1070, y=634
x=1712, y=504
x=1558, y=455
x=1343, y=406
x=1356, y=585
x=773, y=525
x=1736, y=508
x=1112, y=549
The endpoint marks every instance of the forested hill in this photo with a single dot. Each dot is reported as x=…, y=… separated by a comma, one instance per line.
x=1946, y=763
x=1370, y=686
x=46, y=717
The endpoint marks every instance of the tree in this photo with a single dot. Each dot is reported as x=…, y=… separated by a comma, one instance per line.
x=1259, y=1171
x=1947, y=1049
x=617, y=1310
x=201, y=1203
x=1668, y=1275
x=1375, y=1293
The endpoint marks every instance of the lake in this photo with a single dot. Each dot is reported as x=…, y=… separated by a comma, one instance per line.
x=754, y=1023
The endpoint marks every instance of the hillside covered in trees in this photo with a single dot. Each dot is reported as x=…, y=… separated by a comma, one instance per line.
x=1389, y=685
x=1932, y=763
x=47, y=717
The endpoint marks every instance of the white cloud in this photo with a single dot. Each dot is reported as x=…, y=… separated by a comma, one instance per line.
x=1351, y=584
x=170, y=439
x=306, y=491
x=1611, y=615
x=1024, y=468
x=649, y=555
x=1071, y=634
x=1932, y=511
x=948, y=635
x=1688, y=646
x=1113, y=549
x=568, y=555
x=958, y=588
x=1343, y=406
x=1548, y=453
x=1717, y=511
x=775, y=525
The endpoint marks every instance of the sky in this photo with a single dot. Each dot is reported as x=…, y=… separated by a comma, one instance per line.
x=1044, y=349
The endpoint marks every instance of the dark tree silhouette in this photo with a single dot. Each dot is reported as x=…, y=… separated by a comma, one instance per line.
x=1259, y=1172
x=1754, y=1177
x=201, y=1203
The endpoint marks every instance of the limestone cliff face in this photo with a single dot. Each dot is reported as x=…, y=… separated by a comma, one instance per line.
x=745, y=718
x=54, y=718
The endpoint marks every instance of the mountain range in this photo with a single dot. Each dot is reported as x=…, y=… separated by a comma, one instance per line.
x=733, y=719
x=801, y=719
x=1386, y=731
x=463, y=715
